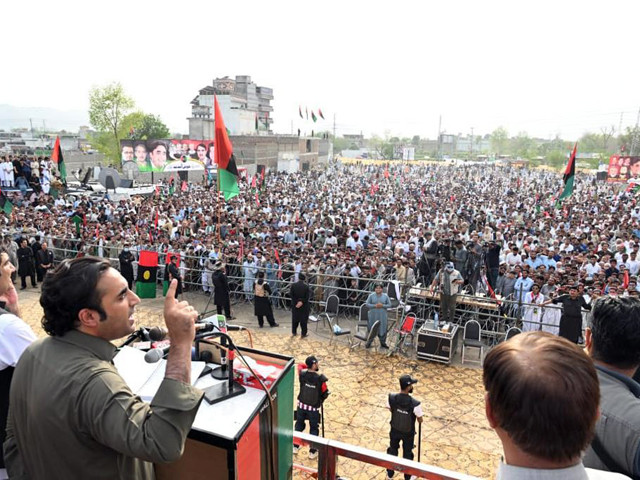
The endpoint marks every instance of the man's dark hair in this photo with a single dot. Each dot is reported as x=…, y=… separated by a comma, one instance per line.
x=68, y=289
x=615, y=329
x=544, y=393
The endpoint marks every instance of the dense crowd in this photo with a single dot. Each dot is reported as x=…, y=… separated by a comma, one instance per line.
x=347, y=224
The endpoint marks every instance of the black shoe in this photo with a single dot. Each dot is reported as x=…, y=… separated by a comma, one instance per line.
x=274, y=325
x=294, y=334
x=23, y=288
x=261, y=326
x=304, y=336
x=384, y=345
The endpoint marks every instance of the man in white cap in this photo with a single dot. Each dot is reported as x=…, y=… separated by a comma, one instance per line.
x=448, y=280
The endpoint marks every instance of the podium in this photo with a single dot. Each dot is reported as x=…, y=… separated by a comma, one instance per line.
x=241, y=438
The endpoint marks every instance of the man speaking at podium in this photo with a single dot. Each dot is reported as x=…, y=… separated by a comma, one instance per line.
x=71, y=414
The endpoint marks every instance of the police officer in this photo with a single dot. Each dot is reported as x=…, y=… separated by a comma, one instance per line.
x=404, y=411
x=313, y=391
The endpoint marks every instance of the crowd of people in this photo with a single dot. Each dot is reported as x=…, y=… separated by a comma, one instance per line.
x=490, y=229
x=349, y=226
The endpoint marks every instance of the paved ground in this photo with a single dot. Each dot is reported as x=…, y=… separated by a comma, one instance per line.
x=455, y=434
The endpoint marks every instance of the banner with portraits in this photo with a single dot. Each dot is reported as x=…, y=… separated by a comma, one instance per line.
x=167, y=155
x=622, y=168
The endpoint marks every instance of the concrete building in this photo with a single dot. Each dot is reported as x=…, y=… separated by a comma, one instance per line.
x=243, y=104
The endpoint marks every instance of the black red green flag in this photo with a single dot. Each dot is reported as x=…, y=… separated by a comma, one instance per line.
x=300, y=111
x=320, y=113
x=569, y=175
x=313, y=117
x=147, y=274
x=227, y=169
x=57, y=158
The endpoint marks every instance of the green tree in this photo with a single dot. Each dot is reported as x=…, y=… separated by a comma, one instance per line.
x=499, y=140
x=415, y=141
x=108, y=106
x=340, y=144
x=523, y=145
x=143, y=126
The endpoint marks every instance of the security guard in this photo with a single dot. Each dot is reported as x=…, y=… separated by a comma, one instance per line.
x=404, y=411
x=313, y=391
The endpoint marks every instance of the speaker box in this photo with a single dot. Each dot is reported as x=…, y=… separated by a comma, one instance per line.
x=436, y=345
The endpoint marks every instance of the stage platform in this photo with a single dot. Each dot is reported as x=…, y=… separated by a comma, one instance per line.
x=455, y=434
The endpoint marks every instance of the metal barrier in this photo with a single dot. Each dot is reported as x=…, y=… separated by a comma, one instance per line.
x=330, y=450
x=494, y=316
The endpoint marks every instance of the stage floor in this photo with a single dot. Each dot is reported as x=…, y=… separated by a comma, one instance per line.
x=455, y=433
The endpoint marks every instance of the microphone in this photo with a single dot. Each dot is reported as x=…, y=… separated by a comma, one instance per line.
x=157, y=334
x=141, y=334
x=156, y=354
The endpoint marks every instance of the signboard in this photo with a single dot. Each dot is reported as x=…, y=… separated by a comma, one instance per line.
x=168, y=155
x=622, y=168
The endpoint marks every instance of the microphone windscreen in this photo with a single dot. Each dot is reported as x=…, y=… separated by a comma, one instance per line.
x=206, y=356
x=154, y=355
x=157, y=333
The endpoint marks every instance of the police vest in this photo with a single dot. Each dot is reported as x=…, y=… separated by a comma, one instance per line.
x=402, y=416
x=311, y=388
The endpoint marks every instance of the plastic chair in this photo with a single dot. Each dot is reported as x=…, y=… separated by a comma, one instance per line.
x=368, y=337
x=512, y=332
x=471, y=338
x=331, y=309
x=337, y=331
x=403, y=333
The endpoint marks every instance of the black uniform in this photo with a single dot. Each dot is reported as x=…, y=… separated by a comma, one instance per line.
x=43, y=257
x=571, y=319
x=313, y=391
x=173, y=272
x=221, y=292
x=403, y=421
x=26, y=267
x=300, y=292
x=126, y=266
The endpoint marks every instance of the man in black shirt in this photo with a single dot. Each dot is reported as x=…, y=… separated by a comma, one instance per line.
x=571, y=319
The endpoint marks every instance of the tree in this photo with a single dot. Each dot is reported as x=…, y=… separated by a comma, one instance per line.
x=499, y=140
x=523, y=145
x=142, y=126
x=415, y=141
x=108, y=106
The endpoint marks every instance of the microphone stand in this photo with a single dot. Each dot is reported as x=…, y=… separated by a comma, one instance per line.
x=222, y=372
x=223, y=390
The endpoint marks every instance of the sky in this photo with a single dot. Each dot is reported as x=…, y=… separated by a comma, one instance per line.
x=386, y=68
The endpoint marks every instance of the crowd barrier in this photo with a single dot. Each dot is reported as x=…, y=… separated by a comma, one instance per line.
x=494, y=315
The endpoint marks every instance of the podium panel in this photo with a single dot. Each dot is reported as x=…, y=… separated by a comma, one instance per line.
x=241, y=438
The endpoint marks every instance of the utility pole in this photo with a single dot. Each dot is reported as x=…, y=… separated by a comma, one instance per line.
x=620, y=125
x=471, y=145
x=439, y=138
x=334, y=125
x=31, y=123
x=635, y=140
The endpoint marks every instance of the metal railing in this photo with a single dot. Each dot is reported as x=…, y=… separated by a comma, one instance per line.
x=495, y=316
x=330, y=450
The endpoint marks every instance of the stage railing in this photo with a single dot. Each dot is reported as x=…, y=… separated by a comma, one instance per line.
x=330, y=450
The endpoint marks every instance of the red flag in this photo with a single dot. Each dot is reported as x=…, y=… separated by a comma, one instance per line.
x=84, y=219
x=625, y=282
x=262, y=176
x=184, y=186
x=155, y=222
x=320, y=113
x=257, y=199
x=253, y=181
x=241, y=249
x=386, y=172
x=97, y=230
x=157, y=190
x=372, y=190
x=275, y=250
